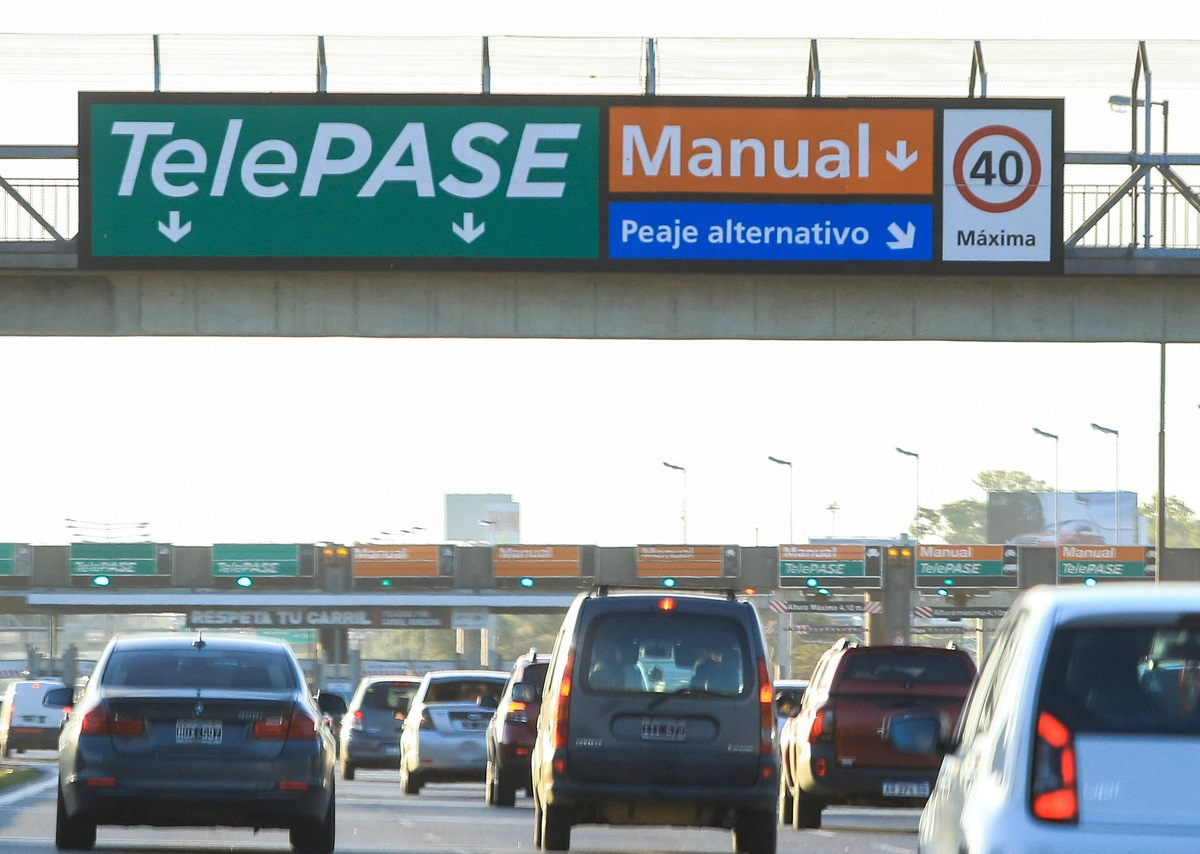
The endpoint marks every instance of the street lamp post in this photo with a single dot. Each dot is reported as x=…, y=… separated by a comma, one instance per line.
x=833, y=508
x=791, y=497
x=1053, y=436
x=490, y=524
x=1124, y=101
x=917, y=458
x=1116, y=434
x=683, y=514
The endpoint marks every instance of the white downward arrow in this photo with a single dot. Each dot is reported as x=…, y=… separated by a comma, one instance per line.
x=174, y=232
x=468, y=231
x=904, y=237
x=900, y=158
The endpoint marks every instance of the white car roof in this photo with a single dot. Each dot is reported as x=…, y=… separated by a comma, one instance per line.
x=1079, y=601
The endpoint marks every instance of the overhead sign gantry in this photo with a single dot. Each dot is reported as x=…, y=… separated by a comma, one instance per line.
x=487, y=182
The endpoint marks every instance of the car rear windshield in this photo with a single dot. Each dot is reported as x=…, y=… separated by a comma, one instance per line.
x=1125, y=679
x=392, y=696
x=481, y=692
x=908, y=668
x=190, y=668
x=667, y=652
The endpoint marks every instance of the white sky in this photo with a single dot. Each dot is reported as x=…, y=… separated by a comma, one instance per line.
x=303, y=440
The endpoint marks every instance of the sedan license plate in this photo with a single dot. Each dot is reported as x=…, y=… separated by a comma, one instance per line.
x=906, y=790
x=664, y=729
x=198, y=732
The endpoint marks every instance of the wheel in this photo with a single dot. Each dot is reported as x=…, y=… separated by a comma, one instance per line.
x=506, y=790
x=489, y=784
x=71, y=834
x=755, y=833
x=316, y=837
x=410, y=783
x=786, y=801
x=806, y=811
x=537, y=823
x=556, y=828
x=347, y=769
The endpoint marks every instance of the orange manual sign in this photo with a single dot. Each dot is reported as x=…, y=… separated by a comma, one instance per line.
x=660, y=561
x=771, y=150
x=394, y=561
x=544, y=561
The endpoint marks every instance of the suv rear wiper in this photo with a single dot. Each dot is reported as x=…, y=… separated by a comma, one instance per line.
x=685, y=691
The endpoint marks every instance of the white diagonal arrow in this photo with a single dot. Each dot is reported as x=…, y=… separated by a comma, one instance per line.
x=904, y=236
x=174, y=232
x=901, y=159
x=468, y=231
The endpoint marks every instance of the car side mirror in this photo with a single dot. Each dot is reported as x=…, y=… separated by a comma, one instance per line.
x=918, y=734
x=525, y=692
x=58, y=698
x=331, y=703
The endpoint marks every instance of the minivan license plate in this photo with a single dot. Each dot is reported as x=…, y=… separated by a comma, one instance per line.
x=198, y=732
x=906, y=790
x=664, y=729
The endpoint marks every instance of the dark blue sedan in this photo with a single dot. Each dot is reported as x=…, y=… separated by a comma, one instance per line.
x=176, y=730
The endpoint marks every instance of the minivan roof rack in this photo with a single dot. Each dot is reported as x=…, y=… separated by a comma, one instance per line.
x=728, y=592
x=844, y=643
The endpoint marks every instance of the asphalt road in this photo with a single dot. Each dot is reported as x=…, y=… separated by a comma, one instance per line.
x=375, y=818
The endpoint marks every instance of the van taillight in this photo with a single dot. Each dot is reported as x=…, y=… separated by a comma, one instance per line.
x=562, y=704
x=766, y=710
x=517, y=713
x=98, y=722
x=821, y=728
x=1054, y=795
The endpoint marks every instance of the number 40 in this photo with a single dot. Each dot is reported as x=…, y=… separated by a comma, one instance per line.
x=1011, y=168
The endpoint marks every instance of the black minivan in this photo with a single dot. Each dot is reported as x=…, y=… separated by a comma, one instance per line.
x=657, y=710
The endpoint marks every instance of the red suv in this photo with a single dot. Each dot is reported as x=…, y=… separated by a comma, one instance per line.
x=510, y=734
x=831, y=750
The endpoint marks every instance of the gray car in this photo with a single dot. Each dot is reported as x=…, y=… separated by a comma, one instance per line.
x=191, y=731
x=370, y=732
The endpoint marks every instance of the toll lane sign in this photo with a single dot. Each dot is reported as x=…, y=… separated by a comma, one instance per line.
x=613, y=184
x=271, y=177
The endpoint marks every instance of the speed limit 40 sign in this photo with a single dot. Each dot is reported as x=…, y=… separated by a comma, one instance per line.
x=998, y=196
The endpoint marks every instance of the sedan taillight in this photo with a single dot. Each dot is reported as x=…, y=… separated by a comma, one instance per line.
x=97, y=721
x=821, y=729
x=300, y=726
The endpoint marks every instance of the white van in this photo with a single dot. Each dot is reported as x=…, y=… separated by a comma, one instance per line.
x=25, y=724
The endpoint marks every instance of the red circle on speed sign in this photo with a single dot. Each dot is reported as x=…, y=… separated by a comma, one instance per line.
x=1035, y=169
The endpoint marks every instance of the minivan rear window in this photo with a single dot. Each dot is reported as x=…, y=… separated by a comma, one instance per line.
x=1125, y=679
x=391, y=696
x=666, y=652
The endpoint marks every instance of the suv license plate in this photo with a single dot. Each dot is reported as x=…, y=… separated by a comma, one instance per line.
x=664, y=729
x=906, y=790
x=198, y=732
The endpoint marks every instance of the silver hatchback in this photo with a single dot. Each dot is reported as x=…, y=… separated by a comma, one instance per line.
x=445, y=734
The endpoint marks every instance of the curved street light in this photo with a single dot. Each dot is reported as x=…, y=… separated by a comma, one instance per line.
x=1116, y=434
x=1053, y=436
x=917, y=458
x=683, y=515
x=791, y=496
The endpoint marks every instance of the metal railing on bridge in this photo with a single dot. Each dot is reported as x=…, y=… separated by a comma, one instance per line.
x=1143, y=207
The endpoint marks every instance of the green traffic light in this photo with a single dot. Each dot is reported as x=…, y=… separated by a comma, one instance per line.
x=811, y=582
x=949, y=582
x=1090, y=582
x=942, y=593
x=245, y=581
x=387, y=582
x=101, y=581
x=526, y=581
x=668, y=582
x=824, y=591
